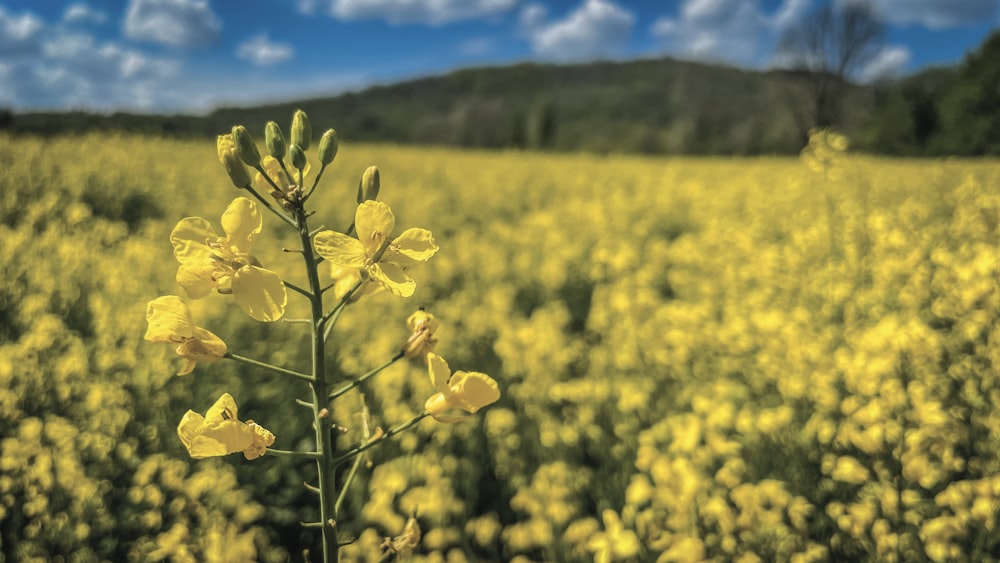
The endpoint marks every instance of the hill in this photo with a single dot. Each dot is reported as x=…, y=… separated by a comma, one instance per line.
x=658, y=106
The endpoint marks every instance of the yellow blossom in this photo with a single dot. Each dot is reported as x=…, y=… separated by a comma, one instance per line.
x=616, y=542
x=225, y=264
x=170, y=320
x=469, y=391
x=422, y=327
x=220, y=432
x=373, y=254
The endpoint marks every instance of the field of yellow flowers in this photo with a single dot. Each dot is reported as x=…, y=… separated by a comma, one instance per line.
x=699, y=359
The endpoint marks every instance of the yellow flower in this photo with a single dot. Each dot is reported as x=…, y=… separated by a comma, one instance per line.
x=469, y=391
x=235, y=168
x=616, y=542
x=422, y=326
x=373, y=253
x=278, y=175
x=225, y=264
x=170, y=320
x=220, y=432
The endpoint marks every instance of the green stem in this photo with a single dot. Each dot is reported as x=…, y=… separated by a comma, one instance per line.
x=290, y=453
x=315, y=183
x=346, y=485
x=321, y=423
x=389, y=434
x=364, y=377
x=330, y=319
x=267, y=203
x=263, y=365
x=298, y=289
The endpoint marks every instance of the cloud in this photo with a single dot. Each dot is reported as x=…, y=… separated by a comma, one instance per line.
x=888, y=63
x=433, y=12
x=937, y=14
x=79, y=12
x=177, y=23
x=597, y=28
x=262, y=51
x=736, y=32
x=45, y=66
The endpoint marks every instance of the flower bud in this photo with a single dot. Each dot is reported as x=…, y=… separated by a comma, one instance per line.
x=298, y=156
x=274, y=140
x=369, y=186
x=301, y=130
x=422, y=326
x=246, y=148
x=234, y=166
x=328, y=146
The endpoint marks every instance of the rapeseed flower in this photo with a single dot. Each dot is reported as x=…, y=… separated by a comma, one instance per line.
x=469, y=391
x=225, y=264
x=220, y=432
x=170, y=320
x=372, y=254
x=422, y=327
x=616, y=542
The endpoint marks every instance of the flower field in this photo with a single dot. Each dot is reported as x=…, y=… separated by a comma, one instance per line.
x=698, y=359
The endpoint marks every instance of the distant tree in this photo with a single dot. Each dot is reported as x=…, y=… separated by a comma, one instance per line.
x=827, y=49
x=541, y=123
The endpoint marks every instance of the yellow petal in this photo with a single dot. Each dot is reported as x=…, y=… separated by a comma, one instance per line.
x=439, y=372
x=223, y=409
x=414, y=245
x=189, y=366
x=169, y=320
x=197, y=278
x=189, y=427
x=222, y=438
x=261, y=439
x=374, y=217
x=260, y=293
x=275, y=172
x=340, y=250
x=190, y=239
x=394, y=278
x=242, y=223
x=473, y=390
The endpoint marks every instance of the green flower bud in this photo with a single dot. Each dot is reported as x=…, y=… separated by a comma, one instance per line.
x=274, y=140
x=301, y=130
x=328, y=146
x=369, y=185
x=298, y=156
x=246, y=148
x=234, y=166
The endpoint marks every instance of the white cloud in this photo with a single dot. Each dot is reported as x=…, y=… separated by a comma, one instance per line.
x=596, y=28
x=262, y=51
x=433, y=12
x=19, y=34
x=736, y=32
x=937, y=14
x=80, y=12
x=178, y=23
x=888, y=63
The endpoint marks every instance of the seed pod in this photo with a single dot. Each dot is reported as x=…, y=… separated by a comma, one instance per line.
x=274, y=140
x=301, y=130
x=369, y=186
x=328, y=146
x=246, y=148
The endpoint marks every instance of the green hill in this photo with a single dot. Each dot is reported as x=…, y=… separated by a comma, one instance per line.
x=659, y=106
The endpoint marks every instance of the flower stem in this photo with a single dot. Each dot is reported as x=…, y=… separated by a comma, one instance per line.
x=267, y=203
x=290, y=453
x=294, y=287
x=389, y=433
x=266, y=366
x=360, y=380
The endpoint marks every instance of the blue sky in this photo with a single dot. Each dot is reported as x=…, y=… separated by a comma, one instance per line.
x=193, y=55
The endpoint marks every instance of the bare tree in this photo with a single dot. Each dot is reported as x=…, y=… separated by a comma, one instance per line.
x=826, y=50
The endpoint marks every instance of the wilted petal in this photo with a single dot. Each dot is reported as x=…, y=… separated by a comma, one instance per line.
x=414, y=245
x=394, y=278
x=190, y=239
x=169, y=320
x=260, y=293
x=374, y=217
x=340, y=250
x=242, y=223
